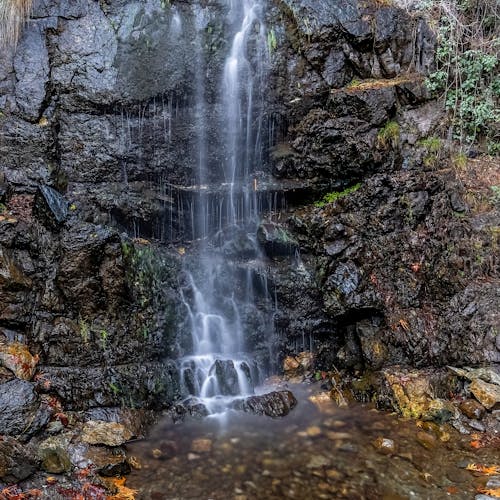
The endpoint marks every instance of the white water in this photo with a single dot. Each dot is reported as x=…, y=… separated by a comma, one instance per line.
x=218, y=294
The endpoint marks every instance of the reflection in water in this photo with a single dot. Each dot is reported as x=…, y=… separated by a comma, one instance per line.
x=317, y=451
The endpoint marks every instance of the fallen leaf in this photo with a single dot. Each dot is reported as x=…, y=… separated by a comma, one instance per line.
x=490, y=470
x=452, y=490
x=123, y=492
x=404, y=325
x=492, y=492
x=475, y=444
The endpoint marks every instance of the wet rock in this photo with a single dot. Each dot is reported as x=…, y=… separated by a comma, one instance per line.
x=227, y=377
x=384, y=445
x=53, y=454
x=472, y=409
x=487, y=394
x=201, y=445
x=313, y=431
x=318, y=461
x=487, y=374
x=22, y=412
x=476, y=425
x=17, y=358
x=50, y=206
x=439, y=410
x=295, y=366
x=428, y=441
x=276, y=240
x=108, y=433
x=108, y=462
x=17, y=462
x=272, y=404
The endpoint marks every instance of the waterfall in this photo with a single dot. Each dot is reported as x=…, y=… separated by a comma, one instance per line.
x=220, y=294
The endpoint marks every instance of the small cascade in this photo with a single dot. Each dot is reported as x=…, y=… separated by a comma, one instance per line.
x=220, y=296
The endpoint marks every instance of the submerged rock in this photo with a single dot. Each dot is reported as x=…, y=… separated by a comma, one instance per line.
x=272, y=404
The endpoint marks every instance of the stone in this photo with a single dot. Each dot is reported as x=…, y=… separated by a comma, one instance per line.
x=275, y=239
x=54, y=456
x=272, y=404
x=17, y=462
x=108, y=433
x=50, y=206
x=313, y=431
x=201, y=445
x=17, y=358
x=318, y=461
x=385, y=445
x=426, y=440
x=487, y=394
x=227, y=377
x=108, y=462
x=296, y=366
x=22, y=411
x=472, y=409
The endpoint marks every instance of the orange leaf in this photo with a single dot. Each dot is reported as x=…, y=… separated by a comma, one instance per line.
x=452, y=490
x=492, y=493
x=123, y=492
x=475, y=444
x=404, y=325
x=484, y=469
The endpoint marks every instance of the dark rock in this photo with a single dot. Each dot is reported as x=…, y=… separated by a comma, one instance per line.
x=272, y=404
x=22, y=412
x=50, y=206
x=275, y=239
x=226, y=376
x=17, y=462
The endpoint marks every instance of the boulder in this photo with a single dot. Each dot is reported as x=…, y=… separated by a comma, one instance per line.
x=53, y=454
x=17, y=462
x=108, y=433
x=22, y=412
x=487, y=394
x=272, y=404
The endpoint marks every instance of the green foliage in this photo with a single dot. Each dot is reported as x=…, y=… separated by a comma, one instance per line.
x=272, y=43
x=104, y=338
x=3, y=208
x=84, y=329
x=388, y=135
x=337, y=195
x=432, y=145
x=466, y=77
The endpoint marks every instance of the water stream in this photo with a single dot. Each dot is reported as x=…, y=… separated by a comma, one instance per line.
x=220, y=290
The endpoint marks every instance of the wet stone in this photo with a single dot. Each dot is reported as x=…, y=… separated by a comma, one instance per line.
x=201, y=445
x=472, y=409
x=16, y=461
x=54, y=455
x=384, y=445
x=428, y=441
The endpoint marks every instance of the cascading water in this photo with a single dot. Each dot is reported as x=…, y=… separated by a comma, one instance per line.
x=221, y=293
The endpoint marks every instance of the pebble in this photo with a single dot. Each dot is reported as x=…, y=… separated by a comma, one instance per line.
x=472, y=409
x=313, y=431
x=201, y=445
x=384, y=445
x=317, y=461
x=456, y=475
x=193, y=456
x=428, y=441
x=337, y=436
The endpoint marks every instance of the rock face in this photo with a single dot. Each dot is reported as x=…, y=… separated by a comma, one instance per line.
x=376, y=260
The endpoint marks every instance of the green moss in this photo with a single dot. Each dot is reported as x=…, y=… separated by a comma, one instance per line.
x=388, y=135
x=3, y=208
x=337, y=195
